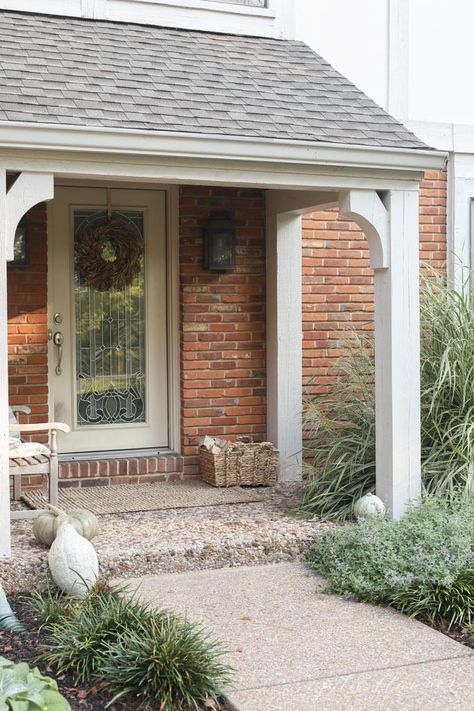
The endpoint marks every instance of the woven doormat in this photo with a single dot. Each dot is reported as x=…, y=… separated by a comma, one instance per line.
x=125, y=498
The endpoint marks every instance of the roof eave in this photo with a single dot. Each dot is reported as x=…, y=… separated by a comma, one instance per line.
x=61, y=138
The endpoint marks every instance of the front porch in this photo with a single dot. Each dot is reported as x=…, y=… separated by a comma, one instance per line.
x=234, y=339
x=176, y=540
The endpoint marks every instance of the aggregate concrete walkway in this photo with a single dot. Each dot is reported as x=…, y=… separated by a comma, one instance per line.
x=297, y=649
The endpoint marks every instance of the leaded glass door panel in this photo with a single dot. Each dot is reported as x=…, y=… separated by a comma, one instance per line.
x=108, y=292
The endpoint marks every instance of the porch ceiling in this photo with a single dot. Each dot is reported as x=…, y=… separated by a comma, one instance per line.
x=76, y=72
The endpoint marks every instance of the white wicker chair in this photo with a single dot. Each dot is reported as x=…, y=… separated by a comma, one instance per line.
x=44, y=464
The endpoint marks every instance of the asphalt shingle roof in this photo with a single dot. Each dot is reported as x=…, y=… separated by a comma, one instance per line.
x=61, y=70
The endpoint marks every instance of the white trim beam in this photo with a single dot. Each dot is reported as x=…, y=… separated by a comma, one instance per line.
x=397, y=347
x=64, y=138
x=300, y=202
x=173, y=318
x=149, y=169
x=398, y=64
x=284, y=341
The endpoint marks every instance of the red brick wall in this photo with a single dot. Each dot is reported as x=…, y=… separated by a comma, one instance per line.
x=222, y=322
x=27, y=323
x=433, y=206
x=338, y=281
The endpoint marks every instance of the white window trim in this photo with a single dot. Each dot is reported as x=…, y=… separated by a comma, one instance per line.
x=269, y=11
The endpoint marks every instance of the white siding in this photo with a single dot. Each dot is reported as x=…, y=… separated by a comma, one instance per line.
x=441, y=61
x=352, y=36
x=414, y=58
x=266, y=18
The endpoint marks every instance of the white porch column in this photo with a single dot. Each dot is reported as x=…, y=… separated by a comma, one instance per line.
x=392, y=228
x=27, y=190
x=4, y=478
x=284, y=320
x=284, y=341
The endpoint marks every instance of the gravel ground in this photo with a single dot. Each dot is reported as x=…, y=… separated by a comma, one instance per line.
x=133, y=544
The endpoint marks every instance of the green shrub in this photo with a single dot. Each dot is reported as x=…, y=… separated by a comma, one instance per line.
x=419, y=564
x=452, y=603
x=166, y=663
x=340, y=449
x=80, y=630
x=25, y=689
x=340, y=452
x=50, y=605
x=159, y=658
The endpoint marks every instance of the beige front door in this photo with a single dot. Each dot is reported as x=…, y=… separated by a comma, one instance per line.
x=108, y=349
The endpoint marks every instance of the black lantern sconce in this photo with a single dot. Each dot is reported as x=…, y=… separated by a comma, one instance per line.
x=219, y=244
x=21, y=246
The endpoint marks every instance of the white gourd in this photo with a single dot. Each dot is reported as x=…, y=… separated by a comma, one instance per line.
x=72, y=561
x=369, y=506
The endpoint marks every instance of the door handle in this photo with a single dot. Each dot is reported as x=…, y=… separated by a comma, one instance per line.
x=58, y=340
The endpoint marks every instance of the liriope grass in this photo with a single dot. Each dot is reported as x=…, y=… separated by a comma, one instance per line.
x=160, y=659
x=340, y=452
x=452, y=604
x=77, y=637
x=168, y=661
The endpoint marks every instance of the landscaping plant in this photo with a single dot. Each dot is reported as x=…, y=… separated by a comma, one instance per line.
x=168, y=661
x=158, y=658
x=340, y=450
x=422, y=564
x=340, y=444
x=452, y=603
x=25, y=689
x=78, y=631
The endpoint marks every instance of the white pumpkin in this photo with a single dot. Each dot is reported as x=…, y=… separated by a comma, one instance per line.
x=369, y=506
x=45, y=525
x=72, y=561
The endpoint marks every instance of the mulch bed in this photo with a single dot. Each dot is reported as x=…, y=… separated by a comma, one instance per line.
x=26, y=647
x=459, y=634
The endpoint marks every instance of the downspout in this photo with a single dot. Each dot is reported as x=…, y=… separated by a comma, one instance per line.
x=8, y=620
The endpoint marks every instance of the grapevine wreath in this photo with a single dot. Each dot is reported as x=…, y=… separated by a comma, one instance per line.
x=108, y=255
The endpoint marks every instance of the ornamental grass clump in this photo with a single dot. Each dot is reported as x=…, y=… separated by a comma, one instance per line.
x=422, y=564
x=166, y=663
x=453, y=604
x=78, y=631
x=340, y=450
x=340, y=445
x=156, y=657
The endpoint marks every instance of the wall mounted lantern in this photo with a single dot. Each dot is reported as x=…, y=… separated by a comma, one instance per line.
x=219, y=244
x=21, y=246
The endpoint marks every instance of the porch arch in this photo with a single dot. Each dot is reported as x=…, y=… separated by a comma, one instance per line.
x=27, y=190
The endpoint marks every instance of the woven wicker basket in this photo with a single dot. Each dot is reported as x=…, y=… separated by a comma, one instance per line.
x=240, y=464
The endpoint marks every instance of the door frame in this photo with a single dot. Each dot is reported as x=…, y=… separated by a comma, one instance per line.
x=172, y=312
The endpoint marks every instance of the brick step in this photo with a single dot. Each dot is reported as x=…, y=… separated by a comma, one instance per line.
x=129, y=470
